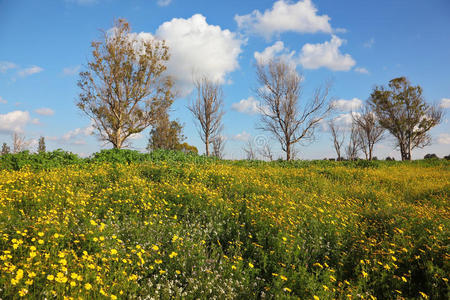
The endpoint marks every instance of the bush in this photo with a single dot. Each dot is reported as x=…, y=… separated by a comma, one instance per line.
x=38, y=161
x=431, y=156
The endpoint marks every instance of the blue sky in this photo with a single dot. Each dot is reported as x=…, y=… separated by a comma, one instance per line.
x=356, y=44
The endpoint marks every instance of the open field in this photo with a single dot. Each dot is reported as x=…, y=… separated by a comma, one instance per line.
x=216, y=229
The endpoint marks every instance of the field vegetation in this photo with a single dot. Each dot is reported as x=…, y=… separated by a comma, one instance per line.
x=171, y=225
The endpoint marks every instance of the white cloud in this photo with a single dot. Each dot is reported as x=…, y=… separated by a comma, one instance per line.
x=285, y=16
x=361, y=70
x=30, y=71
x=73, y=135
x=71, y=70
x=164, y=2
x=444, y=138
x=45, y=111
x=3, y=101
x=369, y=43
x=445, y=103
x=199, y=49
x=248, y=106
x=276, y=50
x=243, y=136
x=343, y=121
x=14, y=121
x=347, y=105
x=6, y=65
x=314, y=56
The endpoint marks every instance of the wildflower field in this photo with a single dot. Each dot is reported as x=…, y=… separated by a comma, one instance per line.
x=226, y=230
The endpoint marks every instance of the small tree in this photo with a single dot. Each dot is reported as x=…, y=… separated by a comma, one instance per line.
x=41, y=145
x=207, y=109
x=281, y=112
x=19, y=143
x=338, y=136
x=267, y=152
x=402, y=110
x=353, y=144
x=5, y=149
x=124, y=89
x=218, y=144
x=165, y=135
x=369, y=130
x=249, y=150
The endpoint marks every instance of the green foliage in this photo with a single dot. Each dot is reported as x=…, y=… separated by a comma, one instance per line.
x=38, y=161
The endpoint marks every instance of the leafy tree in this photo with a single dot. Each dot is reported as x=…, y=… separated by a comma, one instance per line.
x=165, y=135
x=207, y=109
x=5, y=149
x=282, y=113
x=124, y=88
x=402, y=110
x=41, y=145
x=186, y=148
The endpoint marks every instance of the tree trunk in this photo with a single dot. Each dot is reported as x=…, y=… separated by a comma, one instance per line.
x=207, y=145
x=288, y=151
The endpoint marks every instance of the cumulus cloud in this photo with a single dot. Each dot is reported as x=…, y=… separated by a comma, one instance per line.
x=300, y=17
x=444, y=139
x=362, y=70
x=164, y=2
x=14, y=121
x=347, y=105
x=6, y=65
x=327, y=55
x=78, y=132
x=3, y=101
x=445, y=103
x=243, y=136
x=45, y=111
x=248, y=106
x=276, y=50
x=71, y=70
x=30, y=71
x=199, y=49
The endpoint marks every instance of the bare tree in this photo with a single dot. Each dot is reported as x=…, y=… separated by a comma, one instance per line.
x=266, y=152
x=19, y=143
x=207, y=109
x=281, y=112
x=338, y=137
x=249, y=150
x=353, y=144
x=41, y=145
x=124, y=89
x=218, y=144
x=402, y=110
x=369, y=130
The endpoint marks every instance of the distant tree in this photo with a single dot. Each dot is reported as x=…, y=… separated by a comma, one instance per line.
x=369, y=130
x=281, y=113
x=41, y=145
x=402, y=110
x=125, y=88
x=207, y=109
x=390, y=158
x=165, y=135
x=249, y=150
x=447, y=157
x=431, y=156
x=5, y=149
x=218, y=144
x=353, y=144
x=338, y=136
x=266, y=152
x=19, y=143
x=186, y=148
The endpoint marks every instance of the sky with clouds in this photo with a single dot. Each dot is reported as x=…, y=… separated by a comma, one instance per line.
x=354, y=44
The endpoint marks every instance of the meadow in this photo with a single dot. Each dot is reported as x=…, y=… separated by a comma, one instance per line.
x=191, y=227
